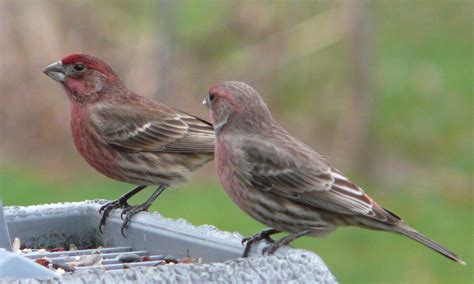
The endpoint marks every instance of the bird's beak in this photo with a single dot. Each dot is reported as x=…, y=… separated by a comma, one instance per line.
x=55, y=71
x=206, y=102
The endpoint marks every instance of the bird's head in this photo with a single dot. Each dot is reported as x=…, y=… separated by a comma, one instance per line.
x=236, y=105
x=84, y=77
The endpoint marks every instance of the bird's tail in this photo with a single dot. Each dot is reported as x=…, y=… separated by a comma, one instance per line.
x=413, y=234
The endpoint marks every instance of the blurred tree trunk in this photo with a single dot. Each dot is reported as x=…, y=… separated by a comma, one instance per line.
x=164, y=45
x=354, y=139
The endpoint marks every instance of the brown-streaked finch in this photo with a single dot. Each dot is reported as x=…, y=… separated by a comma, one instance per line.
x=283, y=183
x=127, y=137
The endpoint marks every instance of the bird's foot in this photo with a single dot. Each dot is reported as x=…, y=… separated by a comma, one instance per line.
x=129, y=212
x=105, y=210
x=272, y=248
x=250, y=241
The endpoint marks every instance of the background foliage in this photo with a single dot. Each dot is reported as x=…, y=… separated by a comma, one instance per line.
x=384, y=88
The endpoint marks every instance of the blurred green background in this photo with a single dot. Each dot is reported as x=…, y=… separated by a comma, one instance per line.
x=382, y=87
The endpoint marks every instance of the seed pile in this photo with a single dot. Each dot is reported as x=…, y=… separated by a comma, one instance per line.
x=62, y=260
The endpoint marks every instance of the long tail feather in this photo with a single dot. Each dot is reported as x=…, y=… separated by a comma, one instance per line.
x=413, y=234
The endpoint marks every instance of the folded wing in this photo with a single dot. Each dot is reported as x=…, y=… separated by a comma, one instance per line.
x=306, y=177
x=147, y=129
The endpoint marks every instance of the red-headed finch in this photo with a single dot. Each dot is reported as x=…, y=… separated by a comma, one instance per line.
x=128, y=137
x=283, y=183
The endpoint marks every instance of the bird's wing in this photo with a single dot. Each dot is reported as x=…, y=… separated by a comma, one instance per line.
x=141, y=128
x=305, y=177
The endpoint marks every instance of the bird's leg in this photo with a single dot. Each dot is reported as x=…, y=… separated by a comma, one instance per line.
x=132, y=210
x=119, y=203
x=285, y=241
x=263, y=235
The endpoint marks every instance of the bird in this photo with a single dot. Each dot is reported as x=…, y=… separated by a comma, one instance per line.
x=127, y=137
x=283, y=183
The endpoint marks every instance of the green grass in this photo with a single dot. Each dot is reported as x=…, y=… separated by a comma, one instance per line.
x=353, y=255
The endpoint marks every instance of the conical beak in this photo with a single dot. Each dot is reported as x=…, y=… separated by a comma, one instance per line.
x=55, y=71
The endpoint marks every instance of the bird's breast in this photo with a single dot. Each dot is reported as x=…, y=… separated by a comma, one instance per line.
x=95, y=152
x=227, y=162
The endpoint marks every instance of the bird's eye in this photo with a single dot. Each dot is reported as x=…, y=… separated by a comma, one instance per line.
x=79, y=67
x=211, y=97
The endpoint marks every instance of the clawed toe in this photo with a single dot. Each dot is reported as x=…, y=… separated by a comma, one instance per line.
x=102, y=222
x=124, y=212
x=271, y=249
x=246, y=239
x=256, y=238
x=128, y=213
x=122, y=230
x=105, y=210
x=249, y=241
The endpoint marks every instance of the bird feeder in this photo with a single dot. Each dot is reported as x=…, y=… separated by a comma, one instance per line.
x=62, y=243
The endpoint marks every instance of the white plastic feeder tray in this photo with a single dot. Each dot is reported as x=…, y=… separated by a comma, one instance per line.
x=58, y=225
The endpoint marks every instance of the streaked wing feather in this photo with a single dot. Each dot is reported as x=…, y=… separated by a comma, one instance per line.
x=272, y=166
x=200, y=136
x=140, y=129
x=307, y=178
